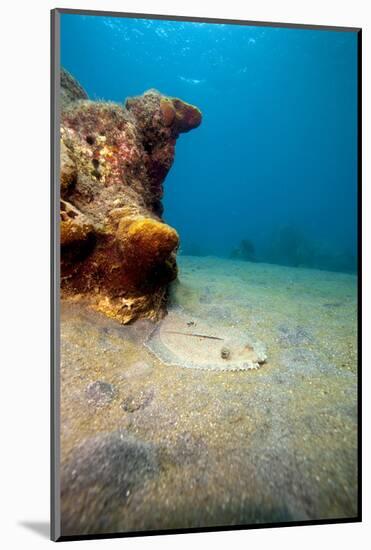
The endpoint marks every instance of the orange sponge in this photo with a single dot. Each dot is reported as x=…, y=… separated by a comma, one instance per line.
x=147, y=242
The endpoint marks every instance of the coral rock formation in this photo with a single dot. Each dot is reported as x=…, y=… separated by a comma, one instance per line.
x=71, y=90
x=116, y=252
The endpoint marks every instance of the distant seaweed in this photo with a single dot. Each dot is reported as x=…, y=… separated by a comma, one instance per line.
x=245, y=251
x=290, y=246
x=191, y=249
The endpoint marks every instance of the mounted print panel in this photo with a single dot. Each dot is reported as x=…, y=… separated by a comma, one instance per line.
x=206, y=191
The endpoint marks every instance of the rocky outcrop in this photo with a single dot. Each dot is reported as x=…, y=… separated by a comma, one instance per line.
x=71, y=90
x=116, y=252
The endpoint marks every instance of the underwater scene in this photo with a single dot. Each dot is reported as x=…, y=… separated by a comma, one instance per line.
x=208, y=231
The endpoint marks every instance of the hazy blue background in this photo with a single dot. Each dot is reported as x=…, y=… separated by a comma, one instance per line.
x=275, y=159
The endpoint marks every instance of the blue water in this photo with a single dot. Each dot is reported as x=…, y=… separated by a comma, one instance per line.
x=275, y=159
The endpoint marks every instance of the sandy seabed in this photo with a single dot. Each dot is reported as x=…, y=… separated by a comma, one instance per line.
x=146, y=445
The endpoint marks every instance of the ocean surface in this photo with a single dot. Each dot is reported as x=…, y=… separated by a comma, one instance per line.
x=264, y=197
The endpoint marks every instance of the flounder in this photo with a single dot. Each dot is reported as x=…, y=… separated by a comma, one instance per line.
x=183, y=341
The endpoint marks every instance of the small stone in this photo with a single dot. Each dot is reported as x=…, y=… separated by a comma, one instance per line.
x=133, y=403
x=100, y=393
x=225, y=353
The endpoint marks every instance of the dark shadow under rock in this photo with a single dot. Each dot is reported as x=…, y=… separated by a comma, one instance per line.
x=189, y=449
x=99, y=478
